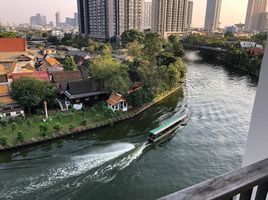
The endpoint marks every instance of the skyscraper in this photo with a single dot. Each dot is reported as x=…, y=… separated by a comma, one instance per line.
x=255, y=19
x=38, y=20
x=190, y=13
x=58, y=20
x=147, y=14
x=105, y=19
x=169, y=17
x=212, y=15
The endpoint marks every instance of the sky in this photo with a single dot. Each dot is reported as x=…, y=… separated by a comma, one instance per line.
x=233, y=11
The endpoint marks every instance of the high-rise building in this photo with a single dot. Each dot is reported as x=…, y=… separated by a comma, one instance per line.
x=213, y=15
x=147, y=14
x=169, y=17
x=38, y=20
x=105, y=19
x=58, y=19
x=256, y=15
x=190, y=13
x=76, y=19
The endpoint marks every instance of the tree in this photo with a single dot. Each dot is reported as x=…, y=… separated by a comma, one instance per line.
x=57, y=127
x=173, y=39
x=132, y=36
x=30, y=92
x=69, y=64
x=173, y=75
x=229, y=35
x=6, y=34
x=112, y=73
x=67, y=39
x=106, y=50
x=53, y=40
x=153, y=44
x=1, y=108
x=134, y=49
x=92, y=46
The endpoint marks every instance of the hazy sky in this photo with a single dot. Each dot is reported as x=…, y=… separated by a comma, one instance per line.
x=233, y=11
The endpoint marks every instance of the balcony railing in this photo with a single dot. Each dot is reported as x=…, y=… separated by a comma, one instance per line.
x=248, y=183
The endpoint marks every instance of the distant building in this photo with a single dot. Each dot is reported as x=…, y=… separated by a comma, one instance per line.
x=256, y=18
x=190, y=13
x=231, y=29
x=76, y=19
x=147, y=15
x=212, y=15
x=38, y=20
x=106, y=19
x=70, y=21
x=58, y=19
x=170, y=17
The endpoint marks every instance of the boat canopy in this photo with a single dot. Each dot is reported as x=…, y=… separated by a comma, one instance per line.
x=167, y=125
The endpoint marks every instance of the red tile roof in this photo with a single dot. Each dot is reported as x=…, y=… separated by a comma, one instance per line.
x=42, y=76
x=12, y=44
x=115, y=98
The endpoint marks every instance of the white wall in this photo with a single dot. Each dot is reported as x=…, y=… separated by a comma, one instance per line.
x=257, y=143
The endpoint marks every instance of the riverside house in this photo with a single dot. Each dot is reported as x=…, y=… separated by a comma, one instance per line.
x=117, y=102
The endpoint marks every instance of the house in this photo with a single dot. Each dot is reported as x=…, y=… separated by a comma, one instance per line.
x=62, y=78
x=79, y=56
x=9, y=107
x=51, y=65
x=42, y=76
x=117, y=102
x=80, y=92
x=14, y=50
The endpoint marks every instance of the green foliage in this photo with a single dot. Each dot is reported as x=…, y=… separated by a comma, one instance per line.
x=91, y=46
x=229, y=35
x=14, y=126
x=83, y=122
x=59, y=116
x=57, y=127
x=53, y=40
x=3, y=140
x=67, y=39
x=106, y=50
x=71, y=127
x=21, y=136
x=132, y=36
x=153, y=44
x=112, y=73
x=69, y=64
x=260, y=38
x=30, y=92
x=4, y=34
x=29, y=122
x=43, y=129
x=134, y=49
x=140, y=97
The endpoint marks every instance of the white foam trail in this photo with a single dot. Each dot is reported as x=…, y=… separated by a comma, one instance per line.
x=78, y=165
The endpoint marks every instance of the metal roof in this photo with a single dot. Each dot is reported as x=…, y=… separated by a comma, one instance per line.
x=167, y=124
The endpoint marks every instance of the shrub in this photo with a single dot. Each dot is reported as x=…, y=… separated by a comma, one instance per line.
x=43, y=130
x=3, y=140
x=21, y=136
x=13, y=126
x=57, y=127
x=83, y=115
x=59, y=116
x=83, y=122
x=29, y=122
x=71, y=127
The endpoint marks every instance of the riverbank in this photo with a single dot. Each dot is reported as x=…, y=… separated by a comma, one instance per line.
x=63, y=128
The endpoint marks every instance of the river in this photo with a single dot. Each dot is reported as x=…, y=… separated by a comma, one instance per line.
x=110, y=163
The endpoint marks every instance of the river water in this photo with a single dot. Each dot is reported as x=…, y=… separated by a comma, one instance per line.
x=110, y=163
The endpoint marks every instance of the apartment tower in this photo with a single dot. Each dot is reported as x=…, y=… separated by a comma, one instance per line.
x=256, y=18
x=170, y=17
x=212, y=15
x=107, y=19
x=190, y=13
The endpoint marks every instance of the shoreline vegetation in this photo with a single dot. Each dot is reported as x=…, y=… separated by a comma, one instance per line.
x=152, y=69
x=64, y=129
x=247, y=59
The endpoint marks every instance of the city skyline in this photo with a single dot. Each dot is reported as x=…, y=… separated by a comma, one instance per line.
x=230, y=13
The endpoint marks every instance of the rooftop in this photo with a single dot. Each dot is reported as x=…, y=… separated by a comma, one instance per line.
x=13, y=45
x=115, y=98
x=42, y=76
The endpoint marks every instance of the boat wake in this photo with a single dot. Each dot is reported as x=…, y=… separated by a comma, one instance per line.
x=101, y=165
